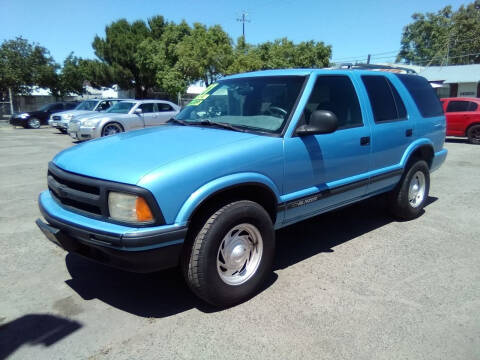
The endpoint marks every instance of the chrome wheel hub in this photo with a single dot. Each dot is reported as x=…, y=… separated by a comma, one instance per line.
x=239, y=254
x=416, y=189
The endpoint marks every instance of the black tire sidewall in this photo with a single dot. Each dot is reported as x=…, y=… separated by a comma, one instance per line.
x=471, y=139
x=410, y=212
x=217, y=291
x=111, y=123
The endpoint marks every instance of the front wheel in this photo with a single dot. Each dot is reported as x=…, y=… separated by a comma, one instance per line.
x=473, y=134
x=33, y=123
x=111, y=129
x=408, y=198
x=232, y=254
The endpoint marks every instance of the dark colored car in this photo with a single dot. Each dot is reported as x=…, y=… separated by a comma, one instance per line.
x=463, y=118
x=34, y=119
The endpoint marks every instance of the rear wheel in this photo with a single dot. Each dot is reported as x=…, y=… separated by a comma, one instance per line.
x=231, y=255
x=112, y=129
x=33, y=123
x=408, y=198
x=473, y=134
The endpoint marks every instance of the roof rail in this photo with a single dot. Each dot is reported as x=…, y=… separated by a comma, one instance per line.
x=376, y=67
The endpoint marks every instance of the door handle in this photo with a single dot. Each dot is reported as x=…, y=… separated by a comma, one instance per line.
x=409, y=132
x=365, y=140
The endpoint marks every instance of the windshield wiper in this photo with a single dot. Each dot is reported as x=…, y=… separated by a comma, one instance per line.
x=219, y=124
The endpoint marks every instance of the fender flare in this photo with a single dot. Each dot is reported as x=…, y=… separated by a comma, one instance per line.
x=413, y=147
x=220, y=184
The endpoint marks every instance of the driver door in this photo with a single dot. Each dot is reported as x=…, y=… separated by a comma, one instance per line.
x=326, y=170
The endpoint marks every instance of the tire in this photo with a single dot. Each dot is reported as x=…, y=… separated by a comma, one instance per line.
x=33, y=123
x=111, y=129
x=407, y=200
x=209, y=266
x=473, y=134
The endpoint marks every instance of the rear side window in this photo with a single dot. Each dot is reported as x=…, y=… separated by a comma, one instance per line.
x=164, y=107
x=459, y=106
x=423, y=94
x=387, y=105
x=147, y=107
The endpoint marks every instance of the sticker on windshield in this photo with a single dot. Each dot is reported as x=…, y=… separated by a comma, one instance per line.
x=199, y=98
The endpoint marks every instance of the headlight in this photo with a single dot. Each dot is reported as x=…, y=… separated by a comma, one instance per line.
x=90, y=123
x=24, y=115
x=127, y=207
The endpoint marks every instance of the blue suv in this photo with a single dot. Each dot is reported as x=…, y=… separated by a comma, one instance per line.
x=254, y=153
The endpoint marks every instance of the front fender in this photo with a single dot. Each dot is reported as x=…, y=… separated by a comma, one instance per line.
x=210, y=188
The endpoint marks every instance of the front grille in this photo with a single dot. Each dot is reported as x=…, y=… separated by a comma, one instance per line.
x=56, y=117
x=88, y=196
x=74, y=191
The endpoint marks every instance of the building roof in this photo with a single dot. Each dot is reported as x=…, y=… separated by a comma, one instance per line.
x=452, y=73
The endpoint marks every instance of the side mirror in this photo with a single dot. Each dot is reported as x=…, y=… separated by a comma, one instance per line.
x=138, y=111
x=321, y=122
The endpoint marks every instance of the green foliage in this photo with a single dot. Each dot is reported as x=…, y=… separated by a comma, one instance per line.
x=206, y=53
x=443, y=37
x=23, y=64
x=279, y=54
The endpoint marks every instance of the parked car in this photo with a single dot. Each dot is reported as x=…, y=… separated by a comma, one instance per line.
x=463, y=118
x=255, y=152
x=34, y=119
x=123, y=116
x=61, y=120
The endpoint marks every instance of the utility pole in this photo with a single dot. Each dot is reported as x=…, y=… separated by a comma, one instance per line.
x=243, y=20
x=368, y=58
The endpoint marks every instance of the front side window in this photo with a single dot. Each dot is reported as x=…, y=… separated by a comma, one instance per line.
x=387, y=105
x=262, y=103
x=164, y=107
x=337, y=95
x=121, y=107
x=461, y=106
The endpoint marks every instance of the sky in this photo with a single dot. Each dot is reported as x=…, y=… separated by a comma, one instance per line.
x=353, y=28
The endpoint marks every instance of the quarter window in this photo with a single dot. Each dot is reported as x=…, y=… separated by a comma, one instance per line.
x=423, y=94
x=460, y=106
x=335, y=94
x=387, y=105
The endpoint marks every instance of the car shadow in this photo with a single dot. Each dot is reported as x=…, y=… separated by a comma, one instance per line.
x=165, y=293
x=34, y=329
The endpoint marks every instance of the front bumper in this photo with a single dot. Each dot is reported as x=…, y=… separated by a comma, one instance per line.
x=145, y=250
x=82, y=133
x=16, y=121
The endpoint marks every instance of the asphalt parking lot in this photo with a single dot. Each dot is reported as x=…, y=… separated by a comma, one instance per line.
x=352, y=284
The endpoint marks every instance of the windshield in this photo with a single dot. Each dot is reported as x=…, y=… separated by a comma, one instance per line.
x=46, y=107
x=122, y=107
x=87, y=105
x=261, y=103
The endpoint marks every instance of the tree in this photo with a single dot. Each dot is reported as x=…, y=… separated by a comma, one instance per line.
x=205, y=54
x=24, y=64
x=444, y=37
x=280, y=54
x=119, y=49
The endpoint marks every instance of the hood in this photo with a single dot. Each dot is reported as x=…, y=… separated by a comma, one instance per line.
x=129, y=156
x=74, y=113
x=90, y=115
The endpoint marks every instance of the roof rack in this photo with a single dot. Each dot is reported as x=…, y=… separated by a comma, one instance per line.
x=376, y=67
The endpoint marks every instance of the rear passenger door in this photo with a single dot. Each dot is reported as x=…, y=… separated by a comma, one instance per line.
x=392, y=131
x=165, y=112
x=149, y=114
x=326, y=170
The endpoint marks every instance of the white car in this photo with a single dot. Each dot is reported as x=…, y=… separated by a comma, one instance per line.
x=60, y=120
x=123, y=116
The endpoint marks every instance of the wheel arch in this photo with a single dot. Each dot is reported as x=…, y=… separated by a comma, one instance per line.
x=422, y=149
x=254, y=187
x=112, y=122
x=476, y=122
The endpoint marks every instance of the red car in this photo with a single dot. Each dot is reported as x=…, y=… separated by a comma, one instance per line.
x=463, y=117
